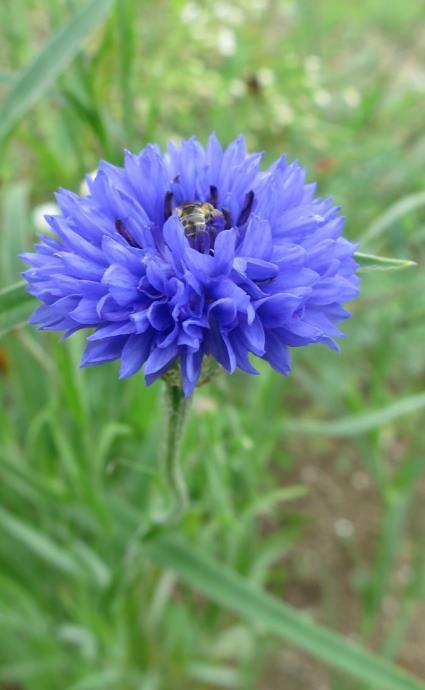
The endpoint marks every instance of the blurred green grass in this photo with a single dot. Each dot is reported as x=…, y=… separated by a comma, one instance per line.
x=341, y=88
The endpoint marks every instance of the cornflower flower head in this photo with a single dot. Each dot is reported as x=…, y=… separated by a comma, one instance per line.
x=194, y=256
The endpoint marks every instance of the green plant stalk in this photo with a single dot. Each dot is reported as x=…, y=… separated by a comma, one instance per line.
x=231, y=590
x=176, y=410
x=396, y=511
x=125, y=26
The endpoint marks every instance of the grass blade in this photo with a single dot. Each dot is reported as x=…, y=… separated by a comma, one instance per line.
x=233, y=592
x=38, y=543
x=15, y=307
x=7, y=79
x=370, y=262
x=393, y=213
x=15, y=235
x=125, y=22
x=358, y=423
x=34, y=81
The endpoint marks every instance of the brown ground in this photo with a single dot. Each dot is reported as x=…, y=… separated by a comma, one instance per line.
x=324, y=576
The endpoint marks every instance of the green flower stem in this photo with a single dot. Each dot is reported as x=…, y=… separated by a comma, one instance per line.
x=176, y=410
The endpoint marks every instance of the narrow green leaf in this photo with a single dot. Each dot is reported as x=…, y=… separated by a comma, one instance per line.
x=34, y=81
x=24, y=671
x=217, y=676
x=126, y=28
x=268, y=502
x=274, y=616
x=37, y=542
x=357, y=423
x=94, y=564
x=99, y=680
x=370, y=262
x=16, y=229
x=7, y=79
x=399, y=209
x=15, y=307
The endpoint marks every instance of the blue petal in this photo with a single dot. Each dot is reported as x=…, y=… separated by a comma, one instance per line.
x=103, y=351
x=275, y=311
x=277, y=354
x=85, y=312
x=224, y=311
x=222, y=350
x=159, y=316
x=158, y=361
x=191, y=363
x=111, y=330
x=224, y=252
x=121, y=283
x=134, y=354
x=257, y=242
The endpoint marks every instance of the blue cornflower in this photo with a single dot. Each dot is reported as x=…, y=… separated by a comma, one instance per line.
x=194, y=253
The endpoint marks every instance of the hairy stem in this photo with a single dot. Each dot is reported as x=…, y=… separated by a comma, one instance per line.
x=176, y=409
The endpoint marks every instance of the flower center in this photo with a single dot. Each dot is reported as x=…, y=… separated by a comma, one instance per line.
x=201, y=222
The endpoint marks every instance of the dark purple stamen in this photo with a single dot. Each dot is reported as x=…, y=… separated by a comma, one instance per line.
x=168, y=205
x=246, y=210
x=265, y=281
x=120, y=227
x=213, y=198
x=227, y=218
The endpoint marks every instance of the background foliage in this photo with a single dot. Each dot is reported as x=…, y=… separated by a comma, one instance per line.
x=311, y=486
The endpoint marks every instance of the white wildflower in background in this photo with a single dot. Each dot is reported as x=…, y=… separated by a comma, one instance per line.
x=237, y=88
x=226, y=42
x=282, y=112
x=313, y=71
x=257, y=5
x=312, y=64
x=39, y=213
x=265, y=76
x=351, y=96
x=190, y=13
x=228, y=13
x=322, y=98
